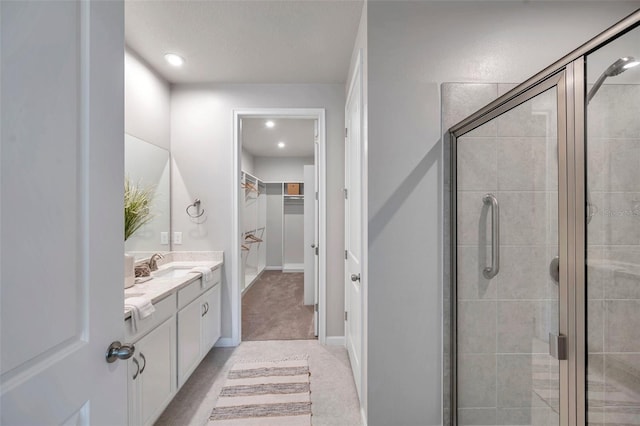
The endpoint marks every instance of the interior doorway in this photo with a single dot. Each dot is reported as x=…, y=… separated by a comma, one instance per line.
x=278, y=288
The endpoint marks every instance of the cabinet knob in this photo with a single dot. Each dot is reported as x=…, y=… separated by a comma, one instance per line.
x=355, y=277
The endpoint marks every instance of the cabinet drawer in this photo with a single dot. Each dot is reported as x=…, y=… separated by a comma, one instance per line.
x=196, y=288
x=164, y=309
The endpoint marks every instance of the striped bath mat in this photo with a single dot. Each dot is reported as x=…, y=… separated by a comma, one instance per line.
x=265, y=393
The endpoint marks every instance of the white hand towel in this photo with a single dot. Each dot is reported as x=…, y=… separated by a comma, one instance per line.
x=141, y=308
x=207, y=274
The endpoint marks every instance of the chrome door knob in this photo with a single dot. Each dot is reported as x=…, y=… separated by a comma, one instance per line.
x=554, y=269
x=119, y=350
x=355, y=277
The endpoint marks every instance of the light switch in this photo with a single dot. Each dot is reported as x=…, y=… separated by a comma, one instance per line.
x=177, y=238
x=164, y=238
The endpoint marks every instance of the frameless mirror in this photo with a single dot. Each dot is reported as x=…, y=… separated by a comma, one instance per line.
x=147, y=165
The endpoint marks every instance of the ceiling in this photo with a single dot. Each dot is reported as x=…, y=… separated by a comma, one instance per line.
x=303, y=41
x=261, y=141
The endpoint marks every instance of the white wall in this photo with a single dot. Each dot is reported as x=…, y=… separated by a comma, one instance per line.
x=147, y=102
x=202, y=148
x=413, y=47
x=282, y=169
x=248, y=163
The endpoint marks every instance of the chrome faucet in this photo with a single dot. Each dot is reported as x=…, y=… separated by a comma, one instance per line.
x=153, y=261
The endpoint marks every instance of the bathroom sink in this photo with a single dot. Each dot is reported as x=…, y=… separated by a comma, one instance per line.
x=172, y=272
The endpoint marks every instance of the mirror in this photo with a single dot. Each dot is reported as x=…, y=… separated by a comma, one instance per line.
x=147, y=165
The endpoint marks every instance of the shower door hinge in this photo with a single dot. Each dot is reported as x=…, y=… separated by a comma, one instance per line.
x=558, y=346
x=317, y=251
x=346, y=193
x=346, y=254
x=345, y=315
x=346, y=132
x=316, y=195
x=315, y=307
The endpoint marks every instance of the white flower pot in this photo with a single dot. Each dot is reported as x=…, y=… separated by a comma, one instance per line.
x=129, y=271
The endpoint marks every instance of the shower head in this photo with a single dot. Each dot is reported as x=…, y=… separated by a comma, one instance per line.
x=620, y=66
x=616, y=68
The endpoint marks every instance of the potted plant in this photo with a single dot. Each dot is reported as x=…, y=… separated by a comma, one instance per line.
x=137, y=213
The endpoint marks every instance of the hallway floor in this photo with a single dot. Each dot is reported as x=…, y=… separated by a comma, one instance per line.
x=334, y=401
x=273, y=308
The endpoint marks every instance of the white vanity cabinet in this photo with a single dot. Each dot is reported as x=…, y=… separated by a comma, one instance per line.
x=152, y=374
x=170, y=344
x=211, y=328
x=198, y=331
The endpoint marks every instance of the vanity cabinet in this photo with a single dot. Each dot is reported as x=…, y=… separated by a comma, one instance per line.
x=169, y=346
x=152, y=374
x=198, y=331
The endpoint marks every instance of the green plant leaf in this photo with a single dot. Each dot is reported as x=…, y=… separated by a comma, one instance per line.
x=137, y=207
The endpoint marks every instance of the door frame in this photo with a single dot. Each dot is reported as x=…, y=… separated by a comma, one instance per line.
x=236, y=264
x=571, y=211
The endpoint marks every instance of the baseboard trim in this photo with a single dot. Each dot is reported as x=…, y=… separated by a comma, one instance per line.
x=273, y=268
x=293, y=267
x=335, y=341
x=225, y=342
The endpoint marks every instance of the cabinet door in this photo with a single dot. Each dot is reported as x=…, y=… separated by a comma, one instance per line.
x=133, y=390
x=156, y=353
x=189, y=338
x=211, y=321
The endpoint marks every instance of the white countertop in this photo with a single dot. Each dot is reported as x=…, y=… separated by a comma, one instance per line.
x=159, y=288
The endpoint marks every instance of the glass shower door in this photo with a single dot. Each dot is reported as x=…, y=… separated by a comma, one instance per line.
x=506, y=292
x=613, y=233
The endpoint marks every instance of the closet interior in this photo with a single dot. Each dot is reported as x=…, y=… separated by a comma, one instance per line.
x=273, y=213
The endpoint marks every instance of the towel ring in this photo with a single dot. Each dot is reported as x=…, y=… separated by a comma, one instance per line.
x=195, y=204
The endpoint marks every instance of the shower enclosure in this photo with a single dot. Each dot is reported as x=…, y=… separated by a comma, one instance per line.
x=543, y=293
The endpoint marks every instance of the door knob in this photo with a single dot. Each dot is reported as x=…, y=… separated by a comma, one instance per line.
x=355, y=277
x=119, y=350
x=554, y=269
x=313, y=246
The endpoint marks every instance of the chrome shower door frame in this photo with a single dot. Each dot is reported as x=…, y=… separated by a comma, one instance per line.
x=569, y=75
x=557, y=80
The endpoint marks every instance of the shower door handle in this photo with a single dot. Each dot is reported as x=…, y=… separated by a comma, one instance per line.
x=491, y=271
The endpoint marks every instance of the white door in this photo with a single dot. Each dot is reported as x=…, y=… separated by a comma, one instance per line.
x=62, y=174
x=310, y=241
x=316, y=230
x=353, y=234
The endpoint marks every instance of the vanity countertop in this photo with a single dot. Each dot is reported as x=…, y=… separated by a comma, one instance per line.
x=161, y=287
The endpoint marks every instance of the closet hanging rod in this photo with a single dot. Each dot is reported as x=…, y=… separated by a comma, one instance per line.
x=252, y=238
x=254, y=230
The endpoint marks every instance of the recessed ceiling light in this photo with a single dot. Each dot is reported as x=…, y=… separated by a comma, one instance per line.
x=280, y=144
x=174, y=59
x=270, y=124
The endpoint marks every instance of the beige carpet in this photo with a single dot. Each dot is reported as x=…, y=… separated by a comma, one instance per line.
x=273, y=309
x=265, y=393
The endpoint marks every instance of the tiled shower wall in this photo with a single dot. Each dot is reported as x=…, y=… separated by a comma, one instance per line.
x=504, y=373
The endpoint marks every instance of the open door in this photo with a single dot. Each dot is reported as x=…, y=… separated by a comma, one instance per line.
x=62, y=210
x=353, y=227
x=310, y=242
